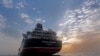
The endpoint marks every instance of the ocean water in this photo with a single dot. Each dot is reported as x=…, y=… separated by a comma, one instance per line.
x=80, y=54
x=68, y=54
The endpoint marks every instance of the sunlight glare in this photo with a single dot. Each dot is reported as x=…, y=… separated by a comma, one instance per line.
x=73, y=40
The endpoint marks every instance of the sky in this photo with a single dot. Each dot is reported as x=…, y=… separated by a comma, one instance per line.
x=77, y=23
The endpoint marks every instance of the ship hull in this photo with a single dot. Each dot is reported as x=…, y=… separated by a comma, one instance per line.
x=39, y=46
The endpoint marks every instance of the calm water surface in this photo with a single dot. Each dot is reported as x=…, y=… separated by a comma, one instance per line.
x=68, y=54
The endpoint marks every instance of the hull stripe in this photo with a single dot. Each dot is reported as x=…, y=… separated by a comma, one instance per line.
x=43, y=47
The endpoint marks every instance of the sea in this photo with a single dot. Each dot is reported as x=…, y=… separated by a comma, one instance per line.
x=68, y=54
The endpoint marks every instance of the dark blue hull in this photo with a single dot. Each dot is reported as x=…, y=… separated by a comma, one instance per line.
x=39, y=46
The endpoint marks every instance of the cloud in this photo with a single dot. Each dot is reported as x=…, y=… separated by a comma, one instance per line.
x=24, y=15
x=40, y=20
x=8, y=44
x=63, y=2
x=83, y=24
x=20, y=5
x=16, y=23
x=7, y=3
x=34, y=9
x=81, y=20
x=26, y=18
x=88, y=43
x=29, y=21
x=2, y=21
x=38, y=11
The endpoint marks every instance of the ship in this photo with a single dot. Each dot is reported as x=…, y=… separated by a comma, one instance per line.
x=39, y=41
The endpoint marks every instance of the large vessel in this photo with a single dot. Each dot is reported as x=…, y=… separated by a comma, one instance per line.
x=39, y=41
